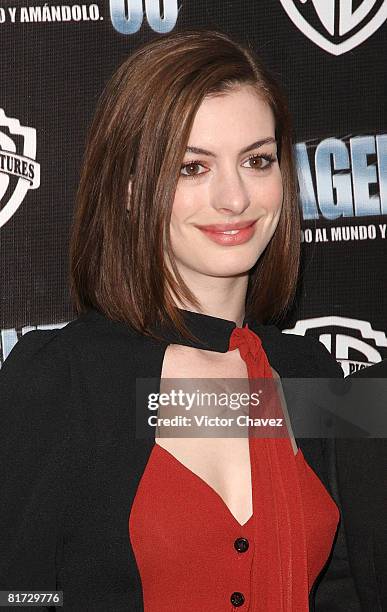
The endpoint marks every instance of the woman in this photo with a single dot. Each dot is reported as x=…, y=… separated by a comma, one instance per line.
x=185, y=244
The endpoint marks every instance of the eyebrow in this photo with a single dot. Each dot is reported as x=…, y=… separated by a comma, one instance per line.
x=253, y=145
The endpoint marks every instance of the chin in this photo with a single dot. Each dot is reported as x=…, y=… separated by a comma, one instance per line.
x=225, y=269
x=228, y=263
x=236, y=262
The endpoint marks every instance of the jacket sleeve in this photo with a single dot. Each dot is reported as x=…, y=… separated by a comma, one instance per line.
x=334, y=589
x=34, y=450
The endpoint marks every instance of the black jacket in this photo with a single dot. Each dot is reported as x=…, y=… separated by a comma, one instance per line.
x=362, y=477
x=70, y=462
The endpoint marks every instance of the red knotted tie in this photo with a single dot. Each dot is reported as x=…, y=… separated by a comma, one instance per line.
x=261, y=381
x=251, y=351
x=277, y=502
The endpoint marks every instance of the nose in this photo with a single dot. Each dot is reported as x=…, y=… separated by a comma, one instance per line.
x=230, y=195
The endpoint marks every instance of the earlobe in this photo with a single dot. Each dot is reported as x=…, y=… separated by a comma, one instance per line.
x=129, y=195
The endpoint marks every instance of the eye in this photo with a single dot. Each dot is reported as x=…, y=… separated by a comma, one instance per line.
x=263, y=161
x=189, y=166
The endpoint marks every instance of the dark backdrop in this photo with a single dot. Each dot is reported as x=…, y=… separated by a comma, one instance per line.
x=55, y=62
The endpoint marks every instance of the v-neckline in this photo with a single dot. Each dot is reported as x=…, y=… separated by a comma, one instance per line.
x=213, y=491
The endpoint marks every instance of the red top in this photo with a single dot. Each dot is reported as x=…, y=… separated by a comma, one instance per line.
x=193, y=554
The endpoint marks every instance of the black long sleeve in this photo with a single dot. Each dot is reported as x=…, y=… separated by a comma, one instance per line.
x=35, y=440
x=335, y=589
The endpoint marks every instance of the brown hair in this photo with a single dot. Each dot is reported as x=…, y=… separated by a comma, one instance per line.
x=139, y=132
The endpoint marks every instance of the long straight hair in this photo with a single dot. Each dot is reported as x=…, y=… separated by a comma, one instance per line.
x=138, y=137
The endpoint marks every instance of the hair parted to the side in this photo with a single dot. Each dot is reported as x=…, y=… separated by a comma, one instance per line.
x=139, y=133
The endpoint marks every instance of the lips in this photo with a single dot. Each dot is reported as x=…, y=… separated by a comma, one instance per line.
x=226, y=227
x=229, y=234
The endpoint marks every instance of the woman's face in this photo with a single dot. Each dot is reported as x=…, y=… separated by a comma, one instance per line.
x=235, y=179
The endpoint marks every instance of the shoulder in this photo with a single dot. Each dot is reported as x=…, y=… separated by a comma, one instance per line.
x=378, y=370
x=35, y=350
x=35, y=391
x=297, y=355
x=87, y=331
x=56, y=357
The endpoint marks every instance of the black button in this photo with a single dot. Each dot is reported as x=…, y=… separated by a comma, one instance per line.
x=241, y=544
x=237, y=599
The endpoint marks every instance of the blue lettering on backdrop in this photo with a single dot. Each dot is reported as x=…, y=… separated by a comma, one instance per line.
x=129, y=21
x=336, y=181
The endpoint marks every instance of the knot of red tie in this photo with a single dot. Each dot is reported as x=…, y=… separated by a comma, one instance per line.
x=258, y=368
x=251, y=351
x=246, y=341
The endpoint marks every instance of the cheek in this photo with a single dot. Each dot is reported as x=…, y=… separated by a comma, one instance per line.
x=177, y=218
x=184, y=207
x=272, y=194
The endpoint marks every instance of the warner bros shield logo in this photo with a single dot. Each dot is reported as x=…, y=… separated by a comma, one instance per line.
x=19, y=171
x=337, y=26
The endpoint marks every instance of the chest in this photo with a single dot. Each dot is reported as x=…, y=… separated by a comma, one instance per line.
x=223, y=463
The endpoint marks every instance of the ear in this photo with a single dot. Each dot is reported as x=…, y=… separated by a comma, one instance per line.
x=129, y=193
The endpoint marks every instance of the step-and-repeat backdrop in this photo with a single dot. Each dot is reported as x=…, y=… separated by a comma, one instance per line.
x=330, y=56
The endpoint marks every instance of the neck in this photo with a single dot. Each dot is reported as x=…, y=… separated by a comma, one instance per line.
x=224, y=298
